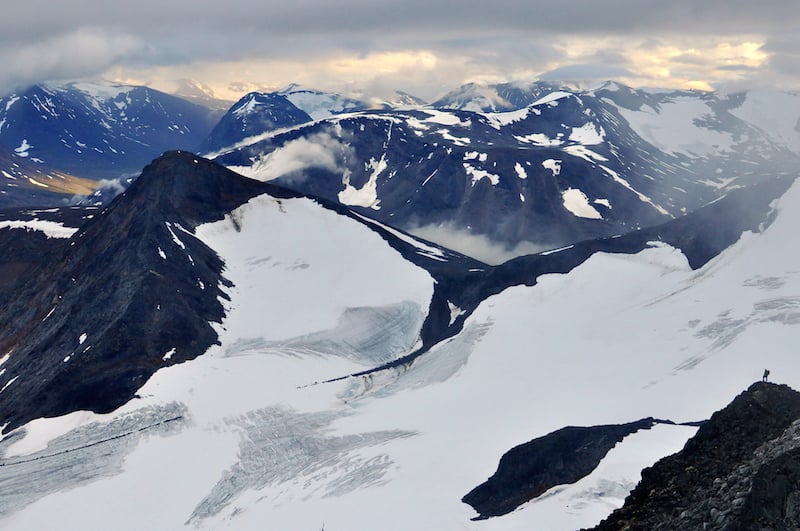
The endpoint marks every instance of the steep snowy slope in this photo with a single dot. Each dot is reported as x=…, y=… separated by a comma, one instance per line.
x=247, y=437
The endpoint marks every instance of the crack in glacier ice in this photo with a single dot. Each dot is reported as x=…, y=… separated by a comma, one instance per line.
x=370, y=335
x=282, y=447
x=82, y=455
x=435, y=366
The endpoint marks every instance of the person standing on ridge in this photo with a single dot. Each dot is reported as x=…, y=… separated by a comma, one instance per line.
x=766, y=375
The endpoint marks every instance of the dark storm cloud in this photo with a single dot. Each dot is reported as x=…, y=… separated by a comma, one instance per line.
x=41, y=38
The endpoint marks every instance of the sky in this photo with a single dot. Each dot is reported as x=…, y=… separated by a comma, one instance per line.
x=421, y=47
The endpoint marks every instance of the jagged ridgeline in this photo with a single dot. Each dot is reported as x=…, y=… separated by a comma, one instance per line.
x=741, y=471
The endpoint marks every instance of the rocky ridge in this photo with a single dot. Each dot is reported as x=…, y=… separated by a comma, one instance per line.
x=740, y=471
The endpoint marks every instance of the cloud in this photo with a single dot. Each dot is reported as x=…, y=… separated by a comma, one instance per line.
x=586, y=72
x=319, y=150
x=372, y=41
x=477, y=246
x=84, y=52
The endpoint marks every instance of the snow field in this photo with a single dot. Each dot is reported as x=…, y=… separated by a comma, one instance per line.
x=617, y=339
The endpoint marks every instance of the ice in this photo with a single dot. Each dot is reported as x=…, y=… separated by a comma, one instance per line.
x=82, y=339
x=370, y=336
x=55, y=454
x=284, y=447
x=38, y=433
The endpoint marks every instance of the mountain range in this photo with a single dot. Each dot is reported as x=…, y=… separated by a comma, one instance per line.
x=276, y=335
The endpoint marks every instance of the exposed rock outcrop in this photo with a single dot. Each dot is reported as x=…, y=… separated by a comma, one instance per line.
x=740, y=471
x=564, y=456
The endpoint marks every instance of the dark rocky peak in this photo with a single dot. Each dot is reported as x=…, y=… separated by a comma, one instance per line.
x=197, y=189
x=254, y=114
x=132, y=291
x=740, y=471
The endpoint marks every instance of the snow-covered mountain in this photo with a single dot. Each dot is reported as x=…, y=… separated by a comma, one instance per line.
x=319, y=104
x=231, y=354
x=201, y=94
x=26, y=183
x=501, y=97
x=570, y=166
x=99, y=130
x=254, y=114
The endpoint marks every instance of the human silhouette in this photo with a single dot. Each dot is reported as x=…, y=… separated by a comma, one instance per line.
x=766, y=375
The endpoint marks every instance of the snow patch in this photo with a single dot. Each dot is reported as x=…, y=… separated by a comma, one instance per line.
x=367, y=195
x=23, y=149
x=576, y=202
x=52, y=229
x=554, y=165
x=589, y=134
x=521, y=173
x=477, y=174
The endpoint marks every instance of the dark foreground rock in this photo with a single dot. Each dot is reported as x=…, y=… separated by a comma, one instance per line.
x=740, y=471
x=558, y=458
